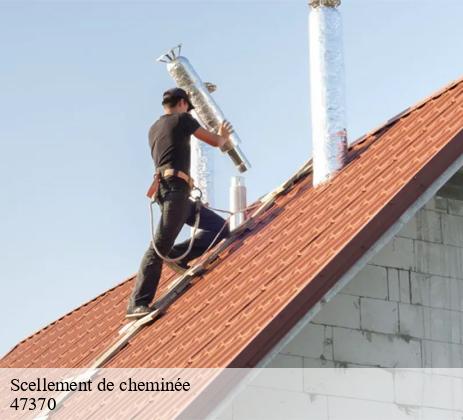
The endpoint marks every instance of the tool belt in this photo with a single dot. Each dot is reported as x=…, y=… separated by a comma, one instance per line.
x=164, y=172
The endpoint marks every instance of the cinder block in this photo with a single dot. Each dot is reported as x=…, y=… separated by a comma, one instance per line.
x=285, y=361
x=264, y=403
x=424, y=388
x=393, y=284
x=445, y=325
x=312, y=341
x=454, y=372
x=404, y=286
x=436, y=291
x=370, y=282
x=283, y=372
x=379, y=315
x=342, y=311
x=312, y=363
x=453, y=230
x=370, y=383
x=355, y=409
x=375, y=349
x=412, y=321
x=398, y=253
x=442, y=260
x=442, y=355
x=409, y=230
x=458, y=392
x=455, y=207
x=425, y=225
x=437, y=204
x=430, y=323
x=438, y=414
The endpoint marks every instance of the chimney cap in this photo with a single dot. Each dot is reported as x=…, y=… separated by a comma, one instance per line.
x=326, y=3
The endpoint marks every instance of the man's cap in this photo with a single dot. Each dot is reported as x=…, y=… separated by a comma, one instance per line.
x=178, y=93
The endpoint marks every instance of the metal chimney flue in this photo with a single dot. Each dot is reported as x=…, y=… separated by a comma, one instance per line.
x=206, y=108
x=202, y=163
x=237, y=201
x=329, y=134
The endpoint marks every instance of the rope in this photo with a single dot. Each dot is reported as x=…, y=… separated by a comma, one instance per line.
x=195, y=228
x=227, y=221
x=190, y=245
x=221, y=210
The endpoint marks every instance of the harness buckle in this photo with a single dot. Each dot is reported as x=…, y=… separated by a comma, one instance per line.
x=154, y=187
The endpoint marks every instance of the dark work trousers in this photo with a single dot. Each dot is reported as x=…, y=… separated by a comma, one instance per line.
x=176, y=210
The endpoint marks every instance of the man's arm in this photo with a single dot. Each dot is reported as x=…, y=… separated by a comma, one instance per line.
x=221, y=140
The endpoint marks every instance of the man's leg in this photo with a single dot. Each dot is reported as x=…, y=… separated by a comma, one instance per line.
x=174, y=212
x=210, y=224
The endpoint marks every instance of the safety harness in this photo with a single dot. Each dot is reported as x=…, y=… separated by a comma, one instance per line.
x=166, y=172
x=152, y=193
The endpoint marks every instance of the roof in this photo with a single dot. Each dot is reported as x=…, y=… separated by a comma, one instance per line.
x=274, y=273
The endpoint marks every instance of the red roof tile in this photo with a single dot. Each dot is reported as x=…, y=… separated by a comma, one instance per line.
x=274, y=273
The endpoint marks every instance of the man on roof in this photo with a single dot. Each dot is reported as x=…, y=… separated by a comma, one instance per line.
x=169, y=140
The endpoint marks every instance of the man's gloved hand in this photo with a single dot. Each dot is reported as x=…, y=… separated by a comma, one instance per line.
x=225, y=131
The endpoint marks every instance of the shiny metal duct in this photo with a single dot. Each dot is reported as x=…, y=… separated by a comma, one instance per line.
x=207, y=109
x=329, y=134
x=202, y=168
x=202, y=162
x=237, y=201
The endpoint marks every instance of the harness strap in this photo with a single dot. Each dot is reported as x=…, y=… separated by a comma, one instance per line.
x=179, y=174
x=166, y=172
x=154, y=187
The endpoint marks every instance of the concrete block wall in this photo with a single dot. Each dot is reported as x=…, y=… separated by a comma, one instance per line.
x=404, y=309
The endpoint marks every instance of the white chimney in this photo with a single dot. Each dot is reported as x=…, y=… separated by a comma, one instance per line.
x=202, y=166
x=202, y=163
x=329, y=134
x=237, y=201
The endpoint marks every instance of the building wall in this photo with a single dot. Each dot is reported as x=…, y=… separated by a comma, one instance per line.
x=404, y=309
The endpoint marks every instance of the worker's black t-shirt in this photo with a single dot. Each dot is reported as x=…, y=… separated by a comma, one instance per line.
x=169, y=139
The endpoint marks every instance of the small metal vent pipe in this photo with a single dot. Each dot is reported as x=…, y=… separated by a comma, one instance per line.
x=237, y=201
x=329, y=134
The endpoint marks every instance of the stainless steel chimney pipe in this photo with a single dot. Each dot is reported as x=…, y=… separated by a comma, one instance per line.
x=202, y=161
x=237, y=201
x=329, y=134
x=207, y=109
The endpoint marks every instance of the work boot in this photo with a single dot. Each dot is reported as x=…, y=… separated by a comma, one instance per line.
x=138, y=311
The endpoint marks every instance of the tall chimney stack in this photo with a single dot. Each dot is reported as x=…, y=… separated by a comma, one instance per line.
x=202, y=163
x=329, y=134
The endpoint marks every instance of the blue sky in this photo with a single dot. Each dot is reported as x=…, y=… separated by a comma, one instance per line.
x=80, y=87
